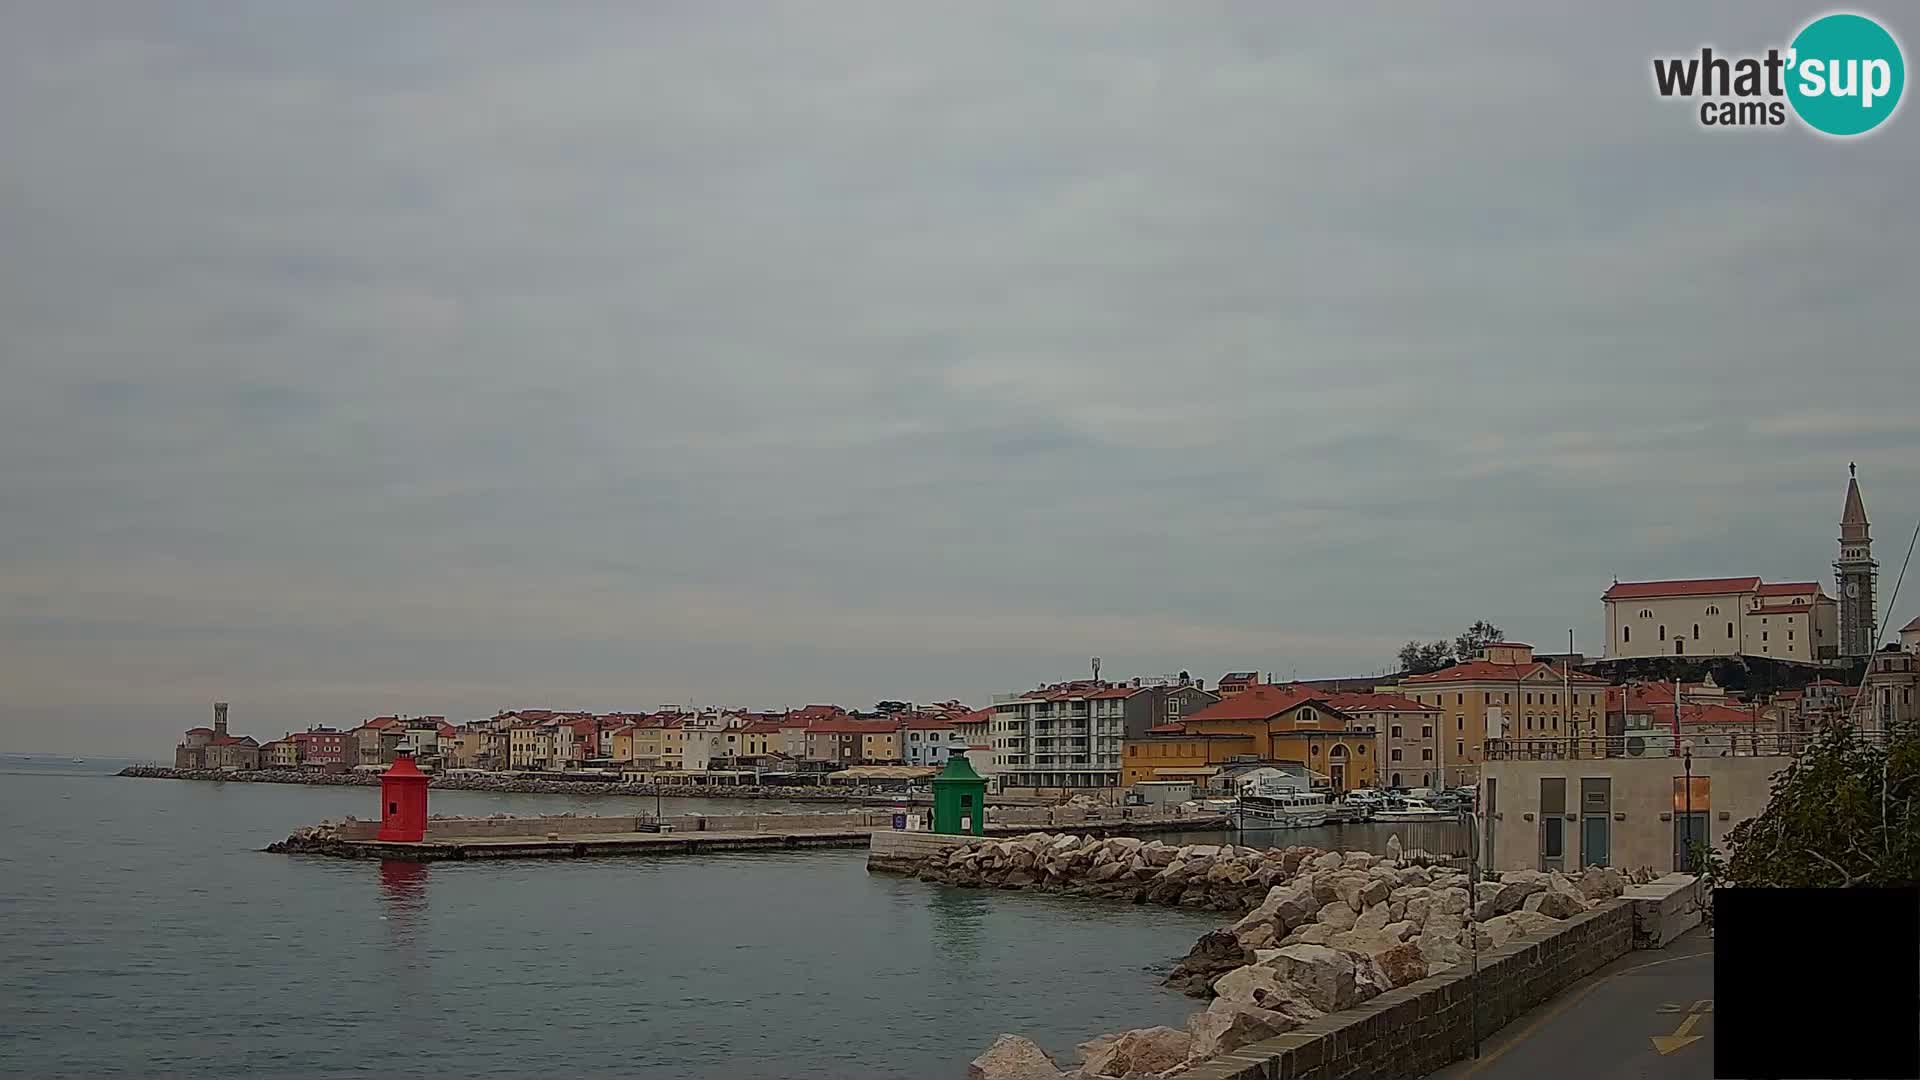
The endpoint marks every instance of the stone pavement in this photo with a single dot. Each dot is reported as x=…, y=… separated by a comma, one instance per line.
x=1648, y=1014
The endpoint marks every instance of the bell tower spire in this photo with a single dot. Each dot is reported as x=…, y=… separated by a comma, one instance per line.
x=1855, y=572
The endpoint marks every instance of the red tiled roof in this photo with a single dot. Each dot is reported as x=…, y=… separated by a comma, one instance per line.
x=927, y=723
x=1508, y=645
x=1789, y=588
x=199, y=731
x=1377, y=703
x=977, y=716
x=1115, y=692
x=1714, y=714
x=1645, y=590
x=1488, y=671
x=1175, y=728
x=854, y=727
x=762, y=727
x=1257, y=703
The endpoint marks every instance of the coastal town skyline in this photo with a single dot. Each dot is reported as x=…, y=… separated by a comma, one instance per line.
x=906, y=354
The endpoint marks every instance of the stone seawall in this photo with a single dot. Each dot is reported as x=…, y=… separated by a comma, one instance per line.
x=1331, y=940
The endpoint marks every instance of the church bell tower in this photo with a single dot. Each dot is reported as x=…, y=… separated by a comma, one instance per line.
x=1854, y=572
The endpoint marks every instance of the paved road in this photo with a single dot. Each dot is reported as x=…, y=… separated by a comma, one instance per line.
x=1605, y=1026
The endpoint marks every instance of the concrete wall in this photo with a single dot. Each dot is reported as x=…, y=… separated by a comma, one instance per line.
x=475, y=828
x=1642, y=792
x=1419, y=1028
x=902, y=852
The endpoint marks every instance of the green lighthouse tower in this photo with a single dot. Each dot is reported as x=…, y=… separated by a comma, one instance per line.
x=960, y=798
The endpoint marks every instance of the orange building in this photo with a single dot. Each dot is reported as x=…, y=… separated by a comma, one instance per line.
x=1271, y=724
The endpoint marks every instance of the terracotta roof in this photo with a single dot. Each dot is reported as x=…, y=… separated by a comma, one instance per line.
x=854, y=727
x=199, y=731
x=1912, y=626
x=1488, y=671
x=1257, y=703
x=231, y=740
x=1508, y=645
x=1646, y=590
x=1789, y=588
x=977, y=716
x=927, y=723
x=1116, y=692
x=1377, y=703
x=762, y=727
x=1174, y=728
x=1715, y=714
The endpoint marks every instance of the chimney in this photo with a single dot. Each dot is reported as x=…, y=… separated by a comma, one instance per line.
x=219, y=718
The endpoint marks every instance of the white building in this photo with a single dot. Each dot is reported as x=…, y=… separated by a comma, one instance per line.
x=1740, y=616
x=926, y=740
x=1064, y=736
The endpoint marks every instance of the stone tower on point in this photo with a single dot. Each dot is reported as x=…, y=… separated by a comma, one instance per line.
x=1855, y=572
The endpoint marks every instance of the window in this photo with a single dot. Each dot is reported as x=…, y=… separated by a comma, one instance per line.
x=1459, y=723
x=1426, y=731
x=1729, y=631
x=1426, y=754
x=1626, y=633
x=1459, y=749
x=1663, y=631
x=1713, y=609
x=1133, y=751
x=1646, y=613
x=1763, y=635
x=1529, y=699
x=1789, y=635
x=1394, y=755
x=1459, y=699
x=1363, y=749
x=1696, y=631
x=1394, y=731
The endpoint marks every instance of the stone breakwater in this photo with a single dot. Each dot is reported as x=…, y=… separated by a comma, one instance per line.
x=1324, y=931
x=507, y=785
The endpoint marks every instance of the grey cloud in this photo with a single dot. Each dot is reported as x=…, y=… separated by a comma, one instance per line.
x=359, y=358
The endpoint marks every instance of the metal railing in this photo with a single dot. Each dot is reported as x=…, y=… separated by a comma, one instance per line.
x=1664, y=744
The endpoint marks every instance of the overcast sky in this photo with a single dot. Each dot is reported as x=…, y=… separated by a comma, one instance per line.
x=370, y=357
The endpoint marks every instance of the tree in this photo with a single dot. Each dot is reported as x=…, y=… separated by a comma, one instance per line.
x=888, y=708
x=1477, y=637
x=1419, y=658
x=1840, y=815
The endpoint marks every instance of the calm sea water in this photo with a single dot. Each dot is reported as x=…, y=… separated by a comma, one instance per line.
x=145, y=934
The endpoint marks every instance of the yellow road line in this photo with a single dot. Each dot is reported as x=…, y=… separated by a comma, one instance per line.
x=1567, y=1003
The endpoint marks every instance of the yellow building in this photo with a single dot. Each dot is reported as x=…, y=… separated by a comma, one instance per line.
x=880, y=745
x=620, y=745
x=1264, y=723
x=523, y=746
x=1507, y=694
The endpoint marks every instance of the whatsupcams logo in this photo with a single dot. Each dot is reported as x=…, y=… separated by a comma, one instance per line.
x=1841, y=75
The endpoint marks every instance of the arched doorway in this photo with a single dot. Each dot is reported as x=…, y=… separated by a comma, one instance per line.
x=1337, y=766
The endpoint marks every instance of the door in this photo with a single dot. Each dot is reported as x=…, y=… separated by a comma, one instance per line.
x=1553, y=843
x=1339, y=777
x=1679, y=646
x=1688, y=829
x=1593, y=840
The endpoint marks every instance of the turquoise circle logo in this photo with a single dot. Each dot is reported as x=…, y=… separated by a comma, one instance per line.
x=1847, y=74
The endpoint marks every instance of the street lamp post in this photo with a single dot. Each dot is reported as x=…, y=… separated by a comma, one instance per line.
x=1686, y=850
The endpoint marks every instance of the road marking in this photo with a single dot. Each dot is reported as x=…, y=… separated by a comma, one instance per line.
x=1568, y=1002
x=1682, y=1036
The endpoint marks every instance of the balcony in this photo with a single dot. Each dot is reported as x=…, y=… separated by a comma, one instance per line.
x=1663, y=744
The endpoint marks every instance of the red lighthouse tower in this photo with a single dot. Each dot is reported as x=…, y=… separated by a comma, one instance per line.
x=403, y=802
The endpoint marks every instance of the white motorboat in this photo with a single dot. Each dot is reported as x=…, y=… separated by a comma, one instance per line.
x=1409, y=810
x=1281, y=810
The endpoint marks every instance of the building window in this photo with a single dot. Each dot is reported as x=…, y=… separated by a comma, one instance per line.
x=1394, y=731
x=1459, y=699
x=1763, y=635
x=1459, y=749
x=1729, y=631
x=1529, y=699
x=1394, y=754
x=1663, y=631
x=1426, y=754
x=1626, y=633
x=1459, y=723
x=1363, y=749
x=1426, y=731
x=1646, y=613
x=1696, y=631
x=1713, y=609
x=1133, y=751
x=1789, y=635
